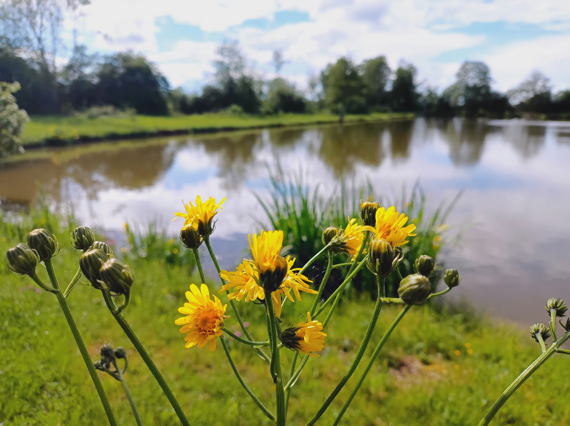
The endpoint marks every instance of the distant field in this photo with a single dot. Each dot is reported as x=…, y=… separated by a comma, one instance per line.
x=42, y=128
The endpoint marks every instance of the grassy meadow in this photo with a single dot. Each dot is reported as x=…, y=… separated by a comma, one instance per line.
x=70, y=129
x=438, y=368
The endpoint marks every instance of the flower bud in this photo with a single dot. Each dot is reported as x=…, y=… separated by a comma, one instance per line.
x=82, y=238
x=329, y=234
x=414, y=289
x=424, y=265
x=190, y=237
x=90, y=263
x=382, y=258
x=451, y=278
x=306, y=337
x=566, y=326
x=539, y=329
x=118, y=276
x=368, y=212
x=104, y=247
x=272, y=278
x=107, y=353
x=556, y=305
x=120, y=353
x=44, y=242
x=22, y=259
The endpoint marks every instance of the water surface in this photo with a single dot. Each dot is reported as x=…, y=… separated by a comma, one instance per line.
x=516, y=176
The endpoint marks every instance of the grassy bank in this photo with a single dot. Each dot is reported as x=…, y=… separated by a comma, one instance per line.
x=60, y=130
x=437, y=369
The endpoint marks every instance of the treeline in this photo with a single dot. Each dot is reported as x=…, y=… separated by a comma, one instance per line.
x=29, y=46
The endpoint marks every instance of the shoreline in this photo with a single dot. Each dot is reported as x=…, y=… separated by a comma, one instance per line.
x=59, y=142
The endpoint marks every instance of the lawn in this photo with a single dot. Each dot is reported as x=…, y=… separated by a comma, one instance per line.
x=438, y=368
x=41, y=128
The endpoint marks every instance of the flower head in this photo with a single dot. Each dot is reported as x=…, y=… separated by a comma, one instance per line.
x=204, y=318
x=390, y=226
x=348, y=240
x=248, y=279
x=201, y=215
x=306, y=337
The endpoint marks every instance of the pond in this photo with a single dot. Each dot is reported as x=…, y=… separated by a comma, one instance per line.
x=514, y=249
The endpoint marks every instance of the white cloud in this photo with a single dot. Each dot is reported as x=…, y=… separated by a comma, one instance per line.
x=405, y=29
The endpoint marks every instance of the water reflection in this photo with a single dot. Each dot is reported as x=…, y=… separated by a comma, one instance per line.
x=515, y=176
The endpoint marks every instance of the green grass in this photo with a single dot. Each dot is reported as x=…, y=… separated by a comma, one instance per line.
x=419, y=379
x=303, y=212
x=69, y=129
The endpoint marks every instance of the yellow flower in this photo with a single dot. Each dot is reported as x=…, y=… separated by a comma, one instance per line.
x=390, y=226
x=246, y=282
x=354, y=235
x=204, y=318
x=201, y=215
x=306, y=337
x=265, y=248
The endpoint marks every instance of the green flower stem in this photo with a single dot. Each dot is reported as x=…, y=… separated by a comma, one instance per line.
x=129, y=396
x=314, y=258
x=294, y=377
x=399, y=273
x=359, y=354
x=563, y=351
x=339, y=290
x=276, y=368
x=288, y=387
x=541, y=341
x=245, y=342
x=441, y=293
x=553, y=324
x=80, y=344
x=323, y=282
x=398, y=301
x=39, y=282
x=342, y=265
x=371, y=361
x=240, y=379
x=199, y=264
x=145, y=356
x=521, y=379
x=259, y=351
x=71, y=285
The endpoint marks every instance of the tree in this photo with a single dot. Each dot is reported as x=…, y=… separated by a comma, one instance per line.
x=344, y=88
x=375, y=75
x=230, y=62
x=128, y=80
x=79, y=79
x=12, y=120
x=533, y=94
x=283, y=97
x=403, y=94
x=278, y=60
x=471, y=94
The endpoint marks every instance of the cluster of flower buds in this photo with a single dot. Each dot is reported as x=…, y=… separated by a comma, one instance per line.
x=414, y=289
x=337, y=240
x=109, y=357
x=24, y=258
x=539, y=330
x=44, y=243
x=424, y=265
x=82, y=238
x=190, y=237
x=368, y=212
x=383, y=258
x=557, y=306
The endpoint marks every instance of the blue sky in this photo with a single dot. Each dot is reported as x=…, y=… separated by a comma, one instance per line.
x=514, y=37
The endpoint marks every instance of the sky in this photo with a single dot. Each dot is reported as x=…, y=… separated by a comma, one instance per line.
x=513, y=37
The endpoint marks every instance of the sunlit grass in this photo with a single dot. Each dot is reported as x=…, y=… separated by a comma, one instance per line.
x=41, y=128
x=437, y=369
